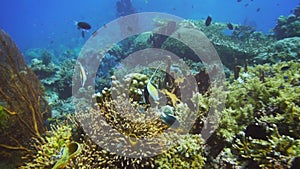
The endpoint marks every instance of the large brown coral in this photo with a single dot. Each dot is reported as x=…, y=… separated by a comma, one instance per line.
x=21, y=98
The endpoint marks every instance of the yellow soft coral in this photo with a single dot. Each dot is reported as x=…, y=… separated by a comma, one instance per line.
x=172, y=96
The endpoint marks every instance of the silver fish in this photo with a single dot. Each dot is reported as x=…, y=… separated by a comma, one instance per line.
x=83, y=74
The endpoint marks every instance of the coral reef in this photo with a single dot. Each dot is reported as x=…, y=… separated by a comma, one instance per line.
x=119, y=132
x=22, y=102
x=46, y=153
x=65, y=74
x=288, y=26
x=57, y=80
x=133, y=126
x=283, y=50
x=187, y=153
x=261, y=121
x=242, y=43
x=44, y=72
x=46, y=57
x=138, y=118
x=277, y=151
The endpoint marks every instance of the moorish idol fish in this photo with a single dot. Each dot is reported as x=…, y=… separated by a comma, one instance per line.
x=151, y=90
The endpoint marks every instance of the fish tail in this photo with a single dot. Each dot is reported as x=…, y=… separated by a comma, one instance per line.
x=75, y=23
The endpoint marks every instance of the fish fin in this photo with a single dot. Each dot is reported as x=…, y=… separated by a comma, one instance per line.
x=82, y=34
x=76, y=24
x=154, y=72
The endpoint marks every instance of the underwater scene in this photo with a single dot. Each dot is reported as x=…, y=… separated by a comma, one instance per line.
x=167, y=84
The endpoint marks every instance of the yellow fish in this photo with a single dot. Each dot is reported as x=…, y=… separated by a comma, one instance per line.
x=152, y=90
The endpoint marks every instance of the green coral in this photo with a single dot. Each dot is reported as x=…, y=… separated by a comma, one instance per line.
x=3, y=118
x=276, y=152
x=47, y=151
x=251, y=97
x=70, y=151
x=187, y=152
x=269, y=94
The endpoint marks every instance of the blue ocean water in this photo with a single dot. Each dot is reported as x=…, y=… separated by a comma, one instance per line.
x=50, y=24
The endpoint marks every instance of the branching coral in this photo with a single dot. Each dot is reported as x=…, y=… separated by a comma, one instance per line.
x=276, y=152
x=118, y=123
x=251, y=97
x=129, y=149
x=269, y=95
x=118, y=133
x=186, y=153
x=46, y=153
